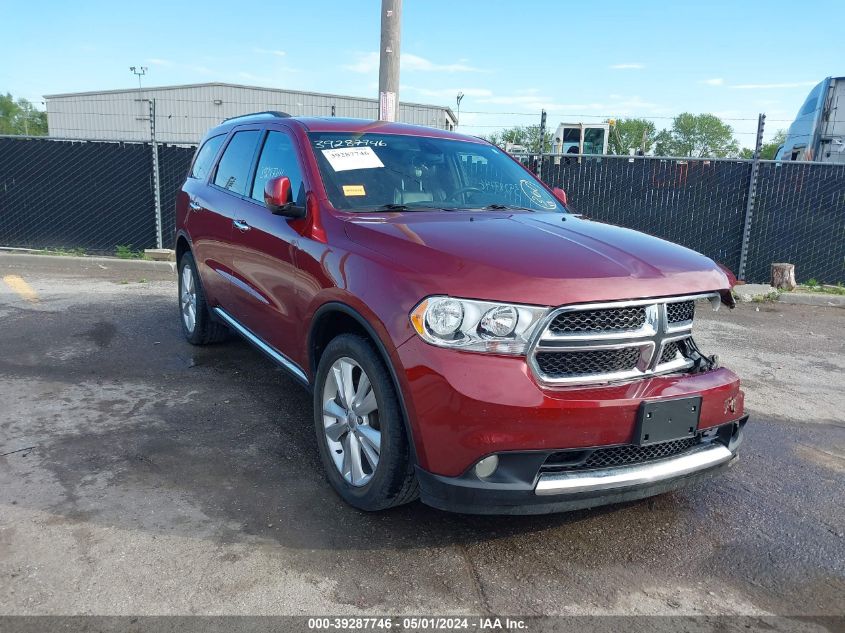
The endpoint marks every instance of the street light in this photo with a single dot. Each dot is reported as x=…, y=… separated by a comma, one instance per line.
x=140, y=71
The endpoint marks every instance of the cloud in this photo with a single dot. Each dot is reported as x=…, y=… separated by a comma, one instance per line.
x=267, y=51
x=628, y=66
x=716, y=81
x=793, y=84
x=369, y=62
x=450, y=93
x=193, y=68
x=366, y=63
x=534, y=101
x=261, y=79
x=415, y=62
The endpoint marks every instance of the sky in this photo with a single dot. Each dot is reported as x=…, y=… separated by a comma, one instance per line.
x=581, y=61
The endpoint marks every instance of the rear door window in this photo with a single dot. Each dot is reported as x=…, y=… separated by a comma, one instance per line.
x=233, y=170
x=205, y=157
x=278, y=158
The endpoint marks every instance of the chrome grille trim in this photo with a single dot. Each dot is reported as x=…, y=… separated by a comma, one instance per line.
x=652, y=337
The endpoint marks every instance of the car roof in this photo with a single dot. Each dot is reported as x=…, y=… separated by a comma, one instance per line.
x=339, y=124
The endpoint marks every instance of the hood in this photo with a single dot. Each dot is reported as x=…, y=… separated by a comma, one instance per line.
x=537, y=258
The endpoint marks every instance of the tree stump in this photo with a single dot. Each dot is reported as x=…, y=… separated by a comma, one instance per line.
x=783, y=276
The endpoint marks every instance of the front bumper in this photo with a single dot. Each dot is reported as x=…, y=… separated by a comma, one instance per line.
x=464, y=406
x=521, y=486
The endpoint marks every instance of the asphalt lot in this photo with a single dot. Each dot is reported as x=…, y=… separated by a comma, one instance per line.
x=141, y=475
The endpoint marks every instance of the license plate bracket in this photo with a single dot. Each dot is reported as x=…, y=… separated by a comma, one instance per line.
x=666, y=420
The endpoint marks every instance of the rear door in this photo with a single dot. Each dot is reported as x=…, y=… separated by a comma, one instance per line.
x=264, y=249
x=206, y=227
x=225, y=197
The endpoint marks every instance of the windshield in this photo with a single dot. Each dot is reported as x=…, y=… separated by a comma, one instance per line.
x=367, y=172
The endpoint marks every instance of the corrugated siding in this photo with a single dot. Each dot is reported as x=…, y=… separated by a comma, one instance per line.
x=184, y=114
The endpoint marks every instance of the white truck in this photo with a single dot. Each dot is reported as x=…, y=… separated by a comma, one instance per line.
x=818, y=132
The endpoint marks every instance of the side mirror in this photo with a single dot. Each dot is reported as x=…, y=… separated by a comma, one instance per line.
x=560, y=194
x=277, y=197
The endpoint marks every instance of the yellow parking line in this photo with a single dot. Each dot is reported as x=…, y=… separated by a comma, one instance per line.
x=17, y=284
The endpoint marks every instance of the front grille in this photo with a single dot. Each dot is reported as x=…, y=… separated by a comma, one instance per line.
x=617, y=455
x=604, y=342
x=680, y=311
x=670, y=352
x=601, y=320
x=600, y=361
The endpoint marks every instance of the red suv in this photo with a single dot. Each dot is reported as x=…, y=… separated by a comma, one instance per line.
x=466, y=338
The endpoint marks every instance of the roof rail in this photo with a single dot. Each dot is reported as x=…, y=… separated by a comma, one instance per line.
x=269, y=114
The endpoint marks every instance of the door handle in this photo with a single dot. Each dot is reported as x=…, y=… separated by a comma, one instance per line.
x=242, y=226
x=193, y=205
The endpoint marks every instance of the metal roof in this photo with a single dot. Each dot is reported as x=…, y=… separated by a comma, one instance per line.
x=218, y=84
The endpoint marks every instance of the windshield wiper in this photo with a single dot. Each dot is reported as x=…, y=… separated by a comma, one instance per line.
x=404, y=207
x=498, y=207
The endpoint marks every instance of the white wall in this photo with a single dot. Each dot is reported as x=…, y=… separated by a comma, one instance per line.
x=183, y=114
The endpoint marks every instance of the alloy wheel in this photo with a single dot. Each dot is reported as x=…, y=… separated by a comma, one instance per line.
x=188, y=299
x=350, y=420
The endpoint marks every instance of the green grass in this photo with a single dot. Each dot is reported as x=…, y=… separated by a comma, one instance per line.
x=125, y=251
x=811, y=285
x=772, y=296
x=65, y=252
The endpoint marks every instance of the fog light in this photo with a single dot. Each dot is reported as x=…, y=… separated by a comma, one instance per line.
x=487, y=466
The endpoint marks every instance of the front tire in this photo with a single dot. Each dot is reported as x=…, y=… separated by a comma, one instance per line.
x=198, y=326
x=360, y=429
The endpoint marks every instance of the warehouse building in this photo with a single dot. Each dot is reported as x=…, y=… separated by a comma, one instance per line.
x=184, y=113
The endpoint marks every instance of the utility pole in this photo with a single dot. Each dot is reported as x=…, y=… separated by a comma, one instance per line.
x=542, y=141
x=156, y=179
x=388, y=70
x=140, y=71
x=752, y=195
x=459, y=99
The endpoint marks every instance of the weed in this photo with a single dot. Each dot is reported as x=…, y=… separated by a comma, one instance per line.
x=65, y=252
x=772, y=296
x=124, y=251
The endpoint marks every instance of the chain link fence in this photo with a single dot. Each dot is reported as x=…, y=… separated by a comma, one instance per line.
x=799, y=217
x=699, y=204
x=92, y=196
x=797, y=212
x=98, y=195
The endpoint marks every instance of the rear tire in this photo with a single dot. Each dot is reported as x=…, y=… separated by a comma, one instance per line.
x=198, y=326
x=360, y=429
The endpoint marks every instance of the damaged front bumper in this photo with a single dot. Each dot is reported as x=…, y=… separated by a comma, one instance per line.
x=535, y=482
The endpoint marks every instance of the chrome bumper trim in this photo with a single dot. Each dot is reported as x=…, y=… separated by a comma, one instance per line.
x=698, y=459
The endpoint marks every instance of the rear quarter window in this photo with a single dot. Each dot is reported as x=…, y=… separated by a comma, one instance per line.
x=205, y=157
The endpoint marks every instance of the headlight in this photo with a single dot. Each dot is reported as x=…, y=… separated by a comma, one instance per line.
x=478, y=326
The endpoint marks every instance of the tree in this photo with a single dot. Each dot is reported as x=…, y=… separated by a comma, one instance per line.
x=526, y=135
x=767, y=150
x=21, y=117
x=697, y=135
x=628, y=134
